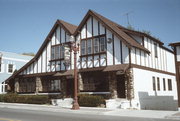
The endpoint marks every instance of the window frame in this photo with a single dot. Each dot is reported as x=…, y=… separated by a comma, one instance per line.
x=102, y=44
x=155, y=50
x=83, y=47
x=158, y=84
x=96, y=45
x=10, y=68
x=89, y=46
x=164, y=84
x=154, y=83
x=169, y=84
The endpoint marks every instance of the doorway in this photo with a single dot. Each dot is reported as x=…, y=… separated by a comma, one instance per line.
x=121, y=86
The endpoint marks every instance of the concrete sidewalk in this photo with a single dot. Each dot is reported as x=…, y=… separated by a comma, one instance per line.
x=97, y=111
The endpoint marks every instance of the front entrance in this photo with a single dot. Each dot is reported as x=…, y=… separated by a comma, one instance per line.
x=121, y=86
x=70, y=88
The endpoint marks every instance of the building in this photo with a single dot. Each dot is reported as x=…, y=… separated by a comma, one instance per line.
x=176, y=48
x=132, y=67
x=10, y=62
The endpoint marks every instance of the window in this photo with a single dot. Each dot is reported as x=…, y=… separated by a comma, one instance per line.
x=154, y=83
x=52, y=53
x=155, y=50
x=102, y=44
x=55, y=85
x=89, y=46
x=83, y=47
x=0, y=66
x=158, y=84
x=164, y=84
x=10, y=68
x=57, y=51
x=169, y=84
x=62, y=52
x=96, y=45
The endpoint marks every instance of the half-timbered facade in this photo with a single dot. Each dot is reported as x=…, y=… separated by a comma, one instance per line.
x=112, y=60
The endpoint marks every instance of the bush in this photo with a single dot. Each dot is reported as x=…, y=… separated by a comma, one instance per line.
x=29, y=99
x=90, y=100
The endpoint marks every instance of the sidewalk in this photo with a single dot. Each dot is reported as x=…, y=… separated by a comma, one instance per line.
x=97, y=111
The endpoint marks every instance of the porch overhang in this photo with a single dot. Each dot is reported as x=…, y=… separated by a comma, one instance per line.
x=66, y=73
x=121, y=68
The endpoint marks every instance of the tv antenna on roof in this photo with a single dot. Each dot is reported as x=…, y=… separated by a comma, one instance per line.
x=127, y=15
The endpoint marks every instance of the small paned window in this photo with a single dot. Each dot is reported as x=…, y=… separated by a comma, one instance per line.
x=169, y=84
x=158, y=84
x=164, y=84
x=10, y=68
x=155, y=50
x=52, y=53
x=89, y=46
x=96, y=45
x=57, y=51
x=62, y=52
x=154, y=83
x=102, y=44
x=83, y=47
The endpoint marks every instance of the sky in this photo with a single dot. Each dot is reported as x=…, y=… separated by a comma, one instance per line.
x=24, y=24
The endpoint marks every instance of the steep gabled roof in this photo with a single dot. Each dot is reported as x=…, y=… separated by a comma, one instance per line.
x=70, y=28
x=113, y=27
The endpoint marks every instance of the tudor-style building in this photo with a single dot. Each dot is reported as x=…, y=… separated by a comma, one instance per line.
x=123, y=63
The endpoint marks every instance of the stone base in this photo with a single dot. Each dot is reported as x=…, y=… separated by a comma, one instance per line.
x=66, y=103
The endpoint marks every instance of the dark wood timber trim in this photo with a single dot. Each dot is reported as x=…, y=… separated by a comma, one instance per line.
x=46, y=59
x=94, y=36
x=113, y=49
x=33, y=67
x=140, y=57
x=86, y=48
x=135, y=55
x=41, y=61
x=106, y=44
x=99, y=42
x=121, y=52
x=152, y=69
x=92, y=41
x=151, y=54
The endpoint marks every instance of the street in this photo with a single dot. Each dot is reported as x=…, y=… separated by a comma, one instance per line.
x=7, y=114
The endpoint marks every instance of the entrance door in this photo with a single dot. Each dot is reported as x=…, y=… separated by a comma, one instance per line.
x=121, y=86
x=70, y=88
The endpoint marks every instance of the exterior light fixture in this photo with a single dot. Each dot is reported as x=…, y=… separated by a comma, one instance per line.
x=109, y=40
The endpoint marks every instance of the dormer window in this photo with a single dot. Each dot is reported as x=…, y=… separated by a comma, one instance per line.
x=155, y=50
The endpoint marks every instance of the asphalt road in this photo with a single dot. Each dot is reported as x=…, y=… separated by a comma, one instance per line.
x=7, y=114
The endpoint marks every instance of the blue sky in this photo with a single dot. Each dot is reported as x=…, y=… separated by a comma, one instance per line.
x=24, y=24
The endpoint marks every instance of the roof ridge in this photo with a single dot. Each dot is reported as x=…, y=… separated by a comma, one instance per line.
x=70, y=27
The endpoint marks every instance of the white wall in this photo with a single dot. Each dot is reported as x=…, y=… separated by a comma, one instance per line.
x=164, y=61
x=150, y=99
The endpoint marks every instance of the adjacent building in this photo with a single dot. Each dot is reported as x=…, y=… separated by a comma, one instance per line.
x=132, y=67
x=10, y=62
x=176, y=48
